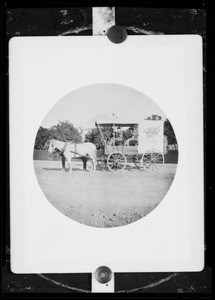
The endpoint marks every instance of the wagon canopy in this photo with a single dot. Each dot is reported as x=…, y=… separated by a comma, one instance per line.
x=117, y=122
x=150, y=133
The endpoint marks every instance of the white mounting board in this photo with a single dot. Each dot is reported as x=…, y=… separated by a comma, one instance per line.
x=168, y=69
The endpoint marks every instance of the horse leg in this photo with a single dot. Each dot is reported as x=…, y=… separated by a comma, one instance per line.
x=84, y=163
x=70, y=166
x=93, y=157
x=69, y=160
x=63, y=162
x=95, y=160
x=94, y=163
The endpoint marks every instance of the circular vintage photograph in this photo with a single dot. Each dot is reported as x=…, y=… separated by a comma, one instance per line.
x=105, y=155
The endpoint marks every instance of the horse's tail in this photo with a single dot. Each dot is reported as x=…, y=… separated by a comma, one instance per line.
x=95, y=156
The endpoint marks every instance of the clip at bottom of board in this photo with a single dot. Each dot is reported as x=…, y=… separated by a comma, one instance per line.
x=103, y=280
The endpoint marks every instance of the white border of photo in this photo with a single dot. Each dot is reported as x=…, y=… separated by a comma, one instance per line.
x=168, y=69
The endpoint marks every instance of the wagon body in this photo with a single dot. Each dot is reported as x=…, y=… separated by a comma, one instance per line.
x=147, y=153
x=126, y=150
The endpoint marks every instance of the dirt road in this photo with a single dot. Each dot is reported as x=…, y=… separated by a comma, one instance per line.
x=103, y=199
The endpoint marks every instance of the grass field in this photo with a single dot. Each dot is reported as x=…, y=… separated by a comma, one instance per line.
x=103, y=199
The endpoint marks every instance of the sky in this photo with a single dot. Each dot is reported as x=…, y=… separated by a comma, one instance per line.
x=82, y=106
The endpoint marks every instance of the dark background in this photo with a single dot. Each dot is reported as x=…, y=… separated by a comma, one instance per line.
x=51, y=19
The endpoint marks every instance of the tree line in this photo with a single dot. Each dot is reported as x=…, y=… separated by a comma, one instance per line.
x=64, y=130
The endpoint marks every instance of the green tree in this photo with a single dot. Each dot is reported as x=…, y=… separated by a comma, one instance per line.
x=154, y=117
x=41, y=138
x=94, y=136
x=169, y=132
x=63, y=130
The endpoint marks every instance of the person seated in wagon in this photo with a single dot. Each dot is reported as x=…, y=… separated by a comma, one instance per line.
x=132, y=136
x=116, y=136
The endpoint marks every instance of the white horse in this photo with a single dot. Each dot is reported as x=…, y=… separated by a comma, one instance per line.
x=72, y=150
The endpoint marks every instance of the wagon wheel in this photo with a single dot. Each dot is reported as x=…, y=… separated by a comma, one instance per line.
x=116, y=162
x=90, y=165
x=152, y=160
x=137, y=160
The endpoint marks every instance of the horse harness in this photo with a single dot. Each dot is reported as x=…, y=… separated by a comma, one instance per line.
x=75, y=152
x=64, y=148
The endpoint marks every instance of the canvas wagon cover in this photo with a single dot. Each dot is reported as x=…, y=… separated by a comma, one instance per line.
x=150, y=135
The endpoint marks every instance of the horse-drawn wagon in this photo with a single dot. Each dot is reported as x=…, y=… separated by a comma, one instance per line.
x=138, y=142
